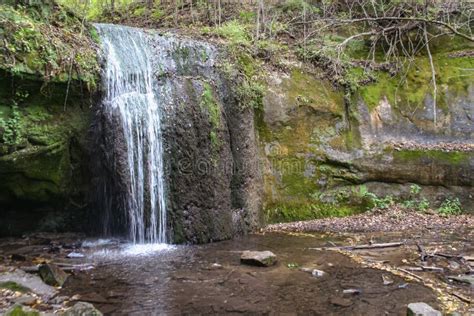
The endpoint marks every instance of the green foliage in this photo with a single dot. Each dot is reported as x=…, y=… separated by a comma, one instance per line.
x=250, y=95
x=42, y=39
x=450, y=207
x=234, y=31
x=293, y=6
x=293, y=265
x=13, y=129
x=17, y=310
x=247, y=16
x=374, y=200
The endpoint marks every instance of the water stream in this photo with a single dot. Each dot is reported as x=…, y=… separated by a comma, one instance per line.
x=130, y=96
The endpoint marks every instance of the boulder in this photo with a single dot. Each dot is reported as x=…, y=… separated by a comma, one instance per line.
x=82, y=309
x=258, y=258
x=422, y=309
x=21, y=310
x=52, y=274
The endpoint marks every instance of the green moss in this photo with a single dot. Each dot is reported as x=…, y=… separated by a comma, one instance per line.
x=18, y=311
x=298, y=211
x=13, y=286
x=453, y=75
x=303, y=89
x=210, y=105
x=452, y=158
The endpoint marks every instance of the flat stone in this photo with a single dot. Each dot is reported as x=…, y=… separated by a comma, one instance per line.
x=468, y=279
x=30, y=281
x=258, y=258
x=422, y=309
x=82, y=309
x=339, y=301
x=26, y=300
x=52, y=274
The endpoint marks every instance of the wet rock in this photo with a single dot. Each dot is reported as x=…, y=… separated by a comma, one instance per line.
x=258, y=258
x=73, y=255
x=314, y=272
x=29, y=281
x=82, y=309
x=468, y=279
x=58, y=300
x=351, y=291
x=216, y=266
x=52, y=274
x=339, y=301
x=26, y=300
x=18, y=257
x=317, y=273
x=19, y=310
x=422, y=309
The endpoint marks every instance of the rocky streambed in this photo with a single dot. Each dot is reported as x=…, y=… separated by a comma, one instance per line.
x=315, y=273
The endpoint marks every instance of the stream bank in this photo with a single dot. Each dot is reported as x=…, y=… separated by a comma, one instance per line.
x=122, y=279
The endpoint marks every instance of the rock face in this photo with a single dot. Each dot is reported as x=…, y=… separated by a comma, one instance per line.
x=44, y=122
x=52, y=274
x=44, y=168
x=318, y=150
x=212, y=192
x=422, y=309
x=258, y=258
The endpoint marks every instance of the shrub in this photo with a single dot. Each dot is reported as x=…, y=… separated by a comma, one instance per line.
x=450, y=207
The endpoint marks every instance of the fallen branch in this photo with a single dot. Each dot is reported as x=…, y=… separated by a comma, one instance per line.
x=461, y=297
x=448, y=26
x=422, y=252
x=359, y=247
x=431, y=268
x=410, y=274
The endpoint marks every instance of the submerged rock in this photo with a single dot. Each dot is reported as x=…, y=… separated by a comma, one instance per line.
x=82, y=309
x=258, y=258
x=52, y=274
x=422, y=309
x=29, y=281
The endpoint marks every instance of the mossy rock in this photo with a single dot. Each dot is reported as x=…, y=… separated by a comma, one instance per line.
x=13, y=286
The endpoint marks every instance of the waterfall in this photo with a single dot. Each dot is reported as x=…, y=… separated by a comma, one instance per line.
x=131, y=99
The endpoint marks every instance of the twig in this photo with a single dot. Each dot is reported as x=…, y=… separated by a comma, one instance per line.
x=461, y=297
x=411, y=274
x=395, y=18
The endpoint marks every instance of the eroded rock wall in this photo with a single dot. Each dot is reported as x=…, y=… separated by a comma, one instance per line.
x=44, y=156
x=318, y=152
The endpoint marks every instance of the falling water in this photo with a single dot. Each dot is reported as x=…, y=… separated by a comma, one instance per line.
x=129, y=82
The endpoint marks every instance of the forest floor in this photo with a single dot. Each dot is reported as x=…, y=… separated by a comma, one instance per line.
x=391, y=220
